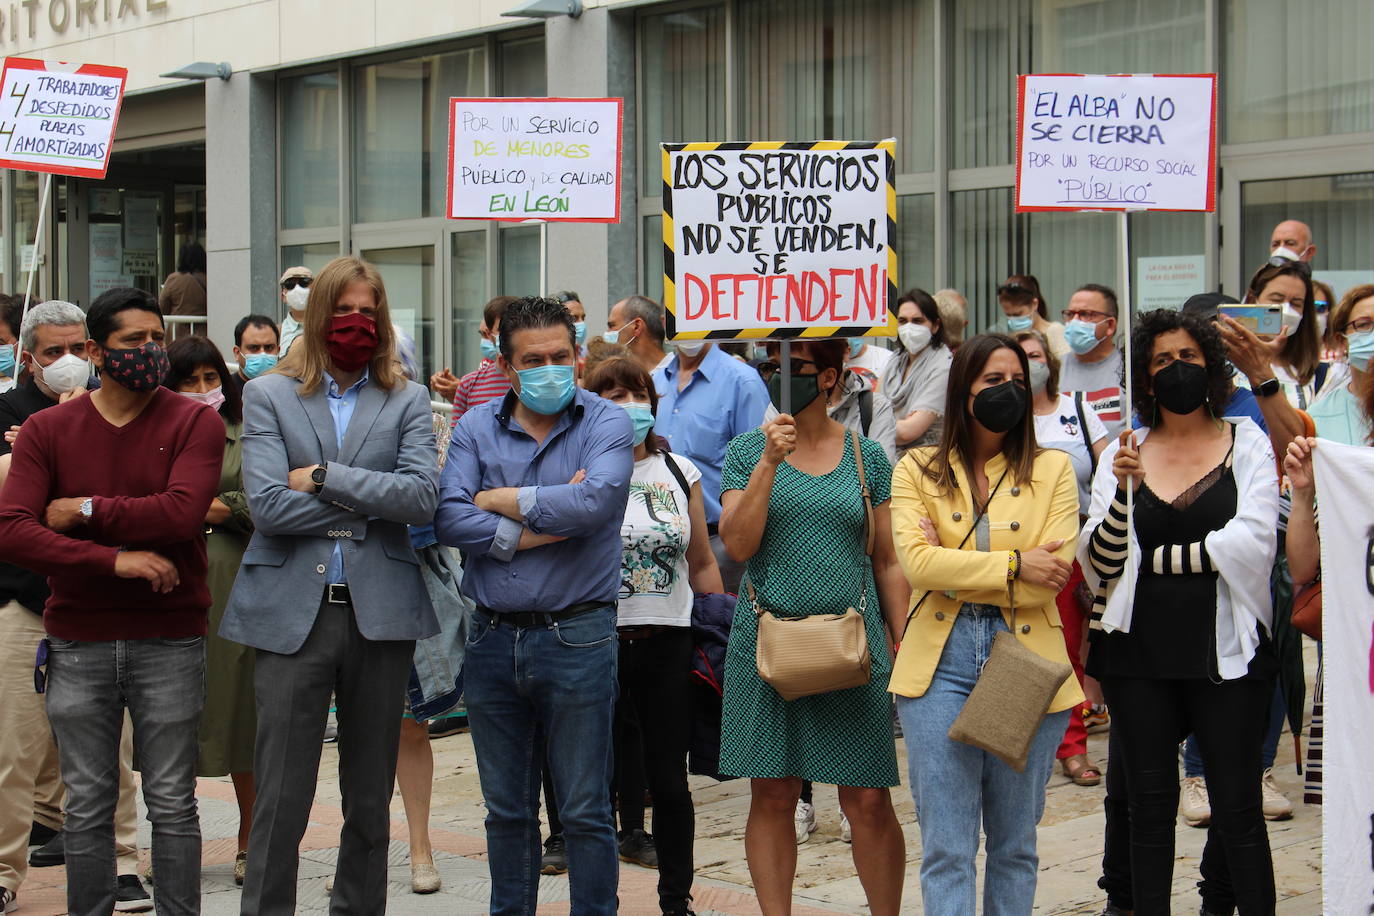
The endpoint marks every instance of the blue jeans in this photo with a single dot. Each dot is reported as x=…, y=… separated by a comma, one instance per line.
x=559, y=678
x=1278, y=713
x=957, y=787
x=162, y=682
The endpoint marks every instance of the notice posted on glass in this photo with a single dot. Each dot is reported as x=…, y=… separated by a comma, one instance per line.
x=1129, y=142
x=778, y=239
x=58, y=118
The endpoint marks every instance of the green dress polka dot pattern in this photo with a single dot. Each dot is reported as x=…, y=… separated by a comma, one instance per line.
x=810, y=560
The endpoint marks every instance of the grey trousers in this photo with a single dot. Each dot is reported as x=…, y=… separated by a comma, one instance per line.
x=368, y=679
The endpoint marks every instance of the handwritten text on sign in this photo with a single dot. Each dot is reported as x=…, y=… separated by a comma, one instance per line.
x=542, y=159
x=767, y=238
x=1116, y=143
x=58, y=118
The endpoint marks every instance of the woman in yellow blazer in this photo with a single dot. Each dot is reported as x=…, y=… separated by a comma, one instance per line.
x=973, y=531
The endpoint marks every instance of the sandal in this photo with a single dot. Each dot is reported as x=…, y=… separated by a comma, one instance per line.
x=1081, y=770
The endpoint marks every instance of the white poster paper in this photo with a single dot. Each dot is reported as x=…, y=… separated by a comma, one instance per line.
x=106, y=250
x=140, y=223
x=1128, y=142
x=58, y=117
x=549, y=159
x=1167, y=282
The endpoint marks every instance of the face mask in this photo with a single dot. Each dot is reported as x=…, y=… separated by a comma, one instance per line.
x=914, y=337
x=66, y=373
x=1292, y=319
x=1284, y=251
x=690, y=348
x=1020, y=323
x=490, y=348
x=1180, y=387
x=297, y=297
x=1081, y=335
x=1359, y=348
x=580, y=331
x=758, y=352
x=258, y=363
x=855, y=345
x=1321, y=324
x=139, y=370
x=546, y=389
x=214, y=397
x=1039, y=375
x=1000, y=407
x=805, y=389
x=7, y=360
x=613, y=336
x=350, y=340
x=642, y=415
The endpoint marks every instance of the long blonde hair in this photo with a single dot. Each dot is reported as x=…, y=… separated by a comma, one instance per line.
x=308, y=359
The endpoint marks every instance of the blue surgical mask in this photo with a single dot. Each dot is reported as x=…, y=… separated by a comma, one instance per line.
x=580, y=331
x=612, y=336
x=1081, y=335
x=1020, y=323
x=258, y=363
x=1359, y=347
x=855, y=345
x=7, y=360
x=490, y=348
x=642, y=415
x=547, y=389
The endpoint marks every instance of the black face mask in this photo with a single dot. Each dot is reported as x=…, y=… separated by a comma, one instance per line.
x=805, y=389
x=1180, y=387
x=1000, y=407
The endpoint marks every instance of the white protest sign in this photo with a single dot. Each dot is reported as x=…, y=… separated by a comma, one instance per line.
x=779, y=239
x=1126, y=142
x=1167, y=282
x=58, y=117
x=547, y=159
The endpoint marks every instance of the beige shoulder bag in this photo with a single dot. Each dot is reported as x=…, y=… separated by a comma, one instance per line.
x=817, y=653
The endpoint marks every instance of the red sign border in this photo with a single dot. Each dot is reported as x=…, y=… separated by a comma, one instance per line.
x=1211, y=148
x=30, y=63
x=619, y=154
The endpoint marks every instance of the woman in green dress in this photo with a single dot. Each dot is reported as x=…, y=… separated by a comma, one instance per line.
x=228, y=724
x=792, y=509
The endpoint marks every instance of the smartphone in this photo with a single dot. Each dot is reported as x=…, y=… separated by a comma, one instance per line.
x=1260, y=319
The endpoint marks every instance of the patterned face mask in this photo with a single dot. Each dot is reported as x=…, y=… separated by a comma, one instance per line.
x=140, y=370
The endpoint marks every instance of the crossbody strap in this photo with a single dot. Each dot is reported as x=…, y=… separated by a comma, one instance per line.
x=1083, y=429
x=869, y=533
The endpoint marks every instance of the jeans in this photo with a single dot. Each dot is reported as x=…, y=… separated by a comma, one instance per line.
x=957, y=787
x=1278, y=713
x=162, y=683
x=1149, y=718
x=654, y=683
x=561, y=679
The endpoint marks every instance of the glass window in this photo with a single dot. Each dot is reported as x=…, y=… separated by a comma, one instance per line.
x=652, y=282
x=408, y=274
x=520, y=261
x=310, y=151
x=1121, y=36
x=1063, y=251
x=915, y=242
x=990, y=45
x=1168, y=258
x=1338, y=208
x=683, y=84
x=523, y=72
x=400, y=130
x=981, y=246
x=468, y=279
x=1296, y=69
x=25, y=225
x=821, y=70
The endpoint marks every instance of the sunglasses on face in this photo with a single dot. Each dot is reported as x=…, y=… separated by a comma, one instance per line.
x=770, y=366
x=292, y=282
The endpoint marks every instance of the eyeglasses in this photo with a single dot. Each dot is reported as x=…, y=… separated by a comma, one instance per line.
x=770, y=366
x=1358, y=326
x=293, y=282
x=1302, y=267
x=1088, y=315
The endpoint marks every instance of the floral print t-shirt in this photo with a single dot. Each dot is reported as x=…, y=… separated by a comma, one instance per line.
x=657, y=529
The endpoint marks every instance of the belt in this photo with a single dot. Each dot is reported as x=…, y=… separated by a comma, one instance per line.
x=338, y=594
x=541, y=618
x=645, y=631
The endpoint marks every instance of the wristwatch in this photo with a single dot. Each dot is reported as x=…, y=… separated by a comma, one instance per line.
x=317, y=477
x=86, y=508
x=1268, y=388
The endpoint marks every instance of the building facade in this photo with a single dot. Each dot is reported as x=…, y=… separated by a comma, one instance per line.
x=330, y=137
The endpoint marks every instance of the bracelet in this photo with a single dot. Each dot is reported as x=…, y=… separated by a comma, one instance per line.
x=1013, y=564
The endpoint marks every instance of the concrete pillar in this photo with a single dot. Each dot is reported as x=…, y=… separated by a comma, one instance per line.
x=593, y=56
x=240, y=200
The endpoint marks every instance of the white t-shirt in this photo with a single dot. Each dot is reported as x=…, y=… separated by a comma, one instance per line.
x=873, y=359
x=654, y=589
x=1060, y=430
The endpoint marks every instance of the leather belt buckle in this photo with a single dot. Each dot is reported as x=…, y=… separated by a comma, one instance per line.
x=337, y=594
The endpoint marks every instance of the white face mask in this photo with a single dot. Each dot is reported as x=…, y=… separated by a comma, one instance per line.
x=690, y=348
x=66, y=373
x=914, y=337
x=297, y=297
x=1283, y=251
x=1292, y=319
x=1039, y=375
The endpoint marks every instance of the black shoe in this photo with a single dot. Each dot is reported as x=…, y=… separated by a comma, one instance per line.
x=638, y=848
x=41, y=833
x=50, y=854
x=331, y=734
x=1114, y=910
x=130, y=897
x=555, y=858
x=452, y=725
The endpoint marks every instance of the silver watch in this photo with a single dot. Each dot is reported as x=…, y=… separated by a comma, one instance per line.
x=86, y=508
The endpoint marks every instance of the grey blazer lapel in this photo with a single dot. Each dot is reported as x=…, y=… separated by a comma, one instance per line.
x=371, y=400
x=322, y=421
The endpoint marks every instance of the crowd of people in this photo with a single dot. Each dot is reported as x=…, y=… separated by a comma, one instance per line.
x=588, y=542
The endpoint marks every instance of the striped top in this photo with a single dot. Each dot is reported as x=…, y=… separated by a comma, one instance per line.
x=485, y=383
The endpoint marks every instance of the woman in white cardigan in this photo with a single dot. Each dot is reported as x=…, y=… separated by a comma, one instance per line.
x=1180, y=639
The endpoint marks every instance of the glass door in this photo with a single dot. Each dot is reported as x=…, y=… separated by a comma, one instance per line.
x=407, y=266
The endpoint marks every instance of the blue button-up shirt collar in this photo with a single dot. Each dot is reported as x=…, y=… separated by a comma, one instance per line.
x=341, y=407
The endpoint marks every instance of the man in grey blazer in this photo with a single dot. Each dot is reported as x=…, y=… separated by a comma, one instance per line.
x=338, y=458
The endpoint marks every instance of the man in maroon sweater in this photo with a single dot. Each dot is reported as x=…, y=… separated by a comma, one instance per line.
x=107, y=496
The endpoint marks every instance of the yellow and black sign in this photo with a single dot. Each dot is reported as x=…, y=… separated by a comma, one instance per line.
x=779, y=240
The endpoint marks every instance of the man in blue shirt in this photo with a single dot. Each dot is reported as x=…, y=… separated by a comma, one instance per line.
x=707, y=398
x=534, y=494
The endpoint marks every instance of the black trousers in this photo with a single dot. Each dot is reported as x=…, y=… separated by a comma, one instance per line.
x=654, y=689
x=1149, y=719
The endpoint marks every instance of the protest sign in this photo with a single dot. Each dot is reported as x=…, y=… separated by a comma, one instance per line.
x=779, y=240
x=549, y=159
x=1167, y=282
x=59, y=118
x=1347, y=732
x=1124, y=142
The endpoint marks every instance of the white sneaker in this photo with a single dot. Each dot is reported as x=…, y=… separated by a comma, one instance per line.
x=845, y=835
x=1277, y=807
x=9, y=900
x=1197, y=807
x=805, y=821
